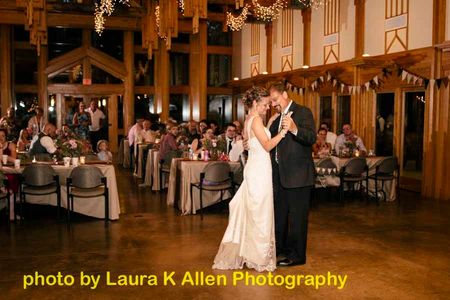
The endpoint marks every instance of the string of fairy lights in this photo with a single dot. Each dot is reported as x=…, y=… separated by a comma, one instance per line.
x=105, y=7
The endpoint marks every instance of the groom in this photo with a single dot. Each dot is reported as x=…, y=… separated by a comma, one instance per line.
x=293, y=176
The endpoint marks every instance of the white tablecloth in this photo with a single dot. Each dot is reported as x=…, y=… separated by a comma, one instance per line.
x=152, y=170
x=139, y=150
x=94, y=207
x=182, y=174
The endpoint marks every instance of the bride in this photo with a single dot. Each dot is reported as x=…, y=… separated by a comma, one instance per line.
x=250, y=236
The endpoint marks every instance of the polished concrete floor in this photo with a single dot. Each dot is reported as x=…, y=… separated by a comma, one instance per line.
x=397, y=250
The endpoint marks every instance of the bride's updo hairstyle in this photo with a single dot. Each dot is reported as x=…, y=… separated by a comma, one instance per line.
x=254, y=94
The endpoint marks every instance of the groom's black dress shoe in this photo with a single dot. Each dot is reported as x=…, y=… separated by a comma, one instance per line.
x=289, y=262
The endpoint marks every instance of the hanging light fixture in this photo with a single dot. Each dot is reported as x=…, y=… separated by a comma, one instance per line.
x=106, y=7
x=236, y=23
x=268, y=13
x=312, y=3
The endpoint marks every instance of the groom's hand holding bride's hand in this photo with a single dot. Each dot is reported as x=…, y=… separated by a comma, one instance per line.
x=289, y=124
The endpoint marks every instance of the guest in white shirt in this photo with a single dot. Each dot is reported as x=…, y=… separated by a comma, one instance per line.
x=146, y=134
x=103, y=151
x=37, y=122
x=349, y=136
x=331, y=136
x=97, y=117
x=230, y=136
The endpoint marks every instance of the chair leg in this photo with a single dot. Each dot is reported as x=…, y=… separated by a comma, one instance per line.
x=376, y=190
x=201, y=204
x=58, y=204
x=106, y=205
x=14, y=208
x=192, y=201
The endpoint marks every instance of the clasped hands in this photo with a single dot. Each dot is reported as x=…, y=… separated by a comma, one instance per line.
x=287, y=124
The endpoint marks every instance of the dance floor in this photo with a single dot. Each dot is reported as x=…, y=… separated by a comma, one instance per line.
x=395, y=250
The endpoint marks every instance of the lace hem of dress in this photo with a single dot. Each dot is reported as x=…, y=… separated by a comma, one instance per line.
x=222, y=265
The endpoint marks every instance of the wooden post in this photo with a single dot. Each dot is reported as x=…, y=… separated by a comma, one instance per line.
x=60, y=110
x=197, y=73
x=162, y=95
x=269, y=38
x=87, y=70
x=306, y=14
x=128, y=97
x=112, y=123
x=6, y=86
x=360, y=10
x=42, y=80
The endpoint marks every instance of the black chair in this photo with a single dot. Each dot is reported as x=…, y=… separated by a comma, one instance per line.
x=216, y=176
x=4, y=195
x=86, y=182
x=354, y=171
x=164, y=166
x=330, y=169
x=387, y=169
x=39, y=180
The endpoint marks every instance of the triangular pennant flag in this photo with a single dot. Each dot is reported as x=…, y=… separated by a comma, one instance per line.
x=321, y=78
x=445, y=81
x=438, y=82
x=350, y=89
x=404, y=74
x=427, y=82
x=420, y=81
x=301, y=91
x=408, y=78
x=329, y=76
x=415, y=79
x=375, y=80
x=342, y=88
x=399, y=72
x=367, y=84
x=334, y=82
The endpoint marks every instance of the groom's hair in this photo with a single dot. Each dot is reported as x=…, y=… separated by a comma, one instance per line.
x=278, y=86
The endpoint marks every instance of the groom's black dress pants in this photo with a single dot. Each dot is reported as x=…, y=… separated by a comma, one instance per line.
x=291, y=218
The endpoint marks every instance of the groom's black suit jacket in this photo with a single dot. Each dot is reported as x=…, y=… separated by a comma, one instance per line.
x=296, y=166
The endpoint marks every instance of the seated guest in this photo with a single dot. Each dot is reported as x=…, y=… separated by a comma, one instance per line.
x=229, y=136
x=132, y=137
x=43, y=143
x=215, y=127
x=238, y=127
x=202, y=126
x=10, y=123
x=37, y=123
x=103, y=152
x=192, y=132
x=331, y=136
x=23, y=144
x=146, y=135
x=197, y=144
x=168, y=142
x=321, y=147
x=7, y=148
x=237, y=150
x=349, y=137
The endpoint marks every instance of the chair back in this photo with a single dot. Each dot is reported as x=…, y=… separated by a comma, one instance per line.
x=387, y=165
x=326, y=163
x=217, y=171
x=355, y=166
x=86, y=177
x=168, y=158
x=38, y=175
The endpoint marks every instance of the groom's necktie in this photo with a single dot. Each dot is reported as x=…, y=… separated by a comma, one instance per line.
x=279, y=129
x=229, y=146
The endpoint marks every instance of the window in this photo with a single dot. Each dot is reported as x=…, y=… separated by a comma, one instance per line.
x=143, y=105
x=63, y=40
x=100, y=76
x=326, y=111
x=25, y=62
x=219, y=69
x=385, y=124
x=216, y=36
x=220, y=109
x=110, y=42
x=343, y=113
x=179, y=107
x=23, y=105
x=144, y=70
x=179, y=69
x=183, y=38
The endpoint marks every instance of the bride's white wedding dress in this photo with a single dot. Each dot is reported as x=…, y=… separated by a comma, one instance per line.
x=250, y=236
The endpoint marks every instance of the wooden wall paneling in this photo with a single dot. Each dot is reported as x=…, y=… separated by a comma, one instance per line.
x=162, y=65
x=306, y=15
x=112, y=123
x=87, y=69
x=360, y=15
x=399, y=125
x=197, y=73
x=128, y=96
x=269, y=46
x=5, y=68
x=43, y=79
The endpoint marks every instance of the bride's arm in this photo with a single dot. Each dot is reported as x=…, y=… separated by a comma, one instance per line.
x=268, y=144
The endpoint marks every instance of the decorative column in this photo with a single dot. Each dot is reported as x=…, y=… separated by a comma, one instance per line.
x=128, y=97
x=6, y=86
x=43, y=79
x=360, y=11
x=269, y=38
x=197, y=73
x=162, y=94
x=306, y=14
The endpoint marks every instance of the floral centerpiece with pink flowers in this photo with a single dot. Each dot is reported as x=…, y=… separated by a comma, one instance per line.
x=71, y=145
x=216, y=148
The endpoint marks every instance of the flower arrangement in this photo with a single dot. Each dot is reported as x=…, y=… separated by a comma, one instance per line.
x=350, y=144
x=215, y=148
x=71, y=145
